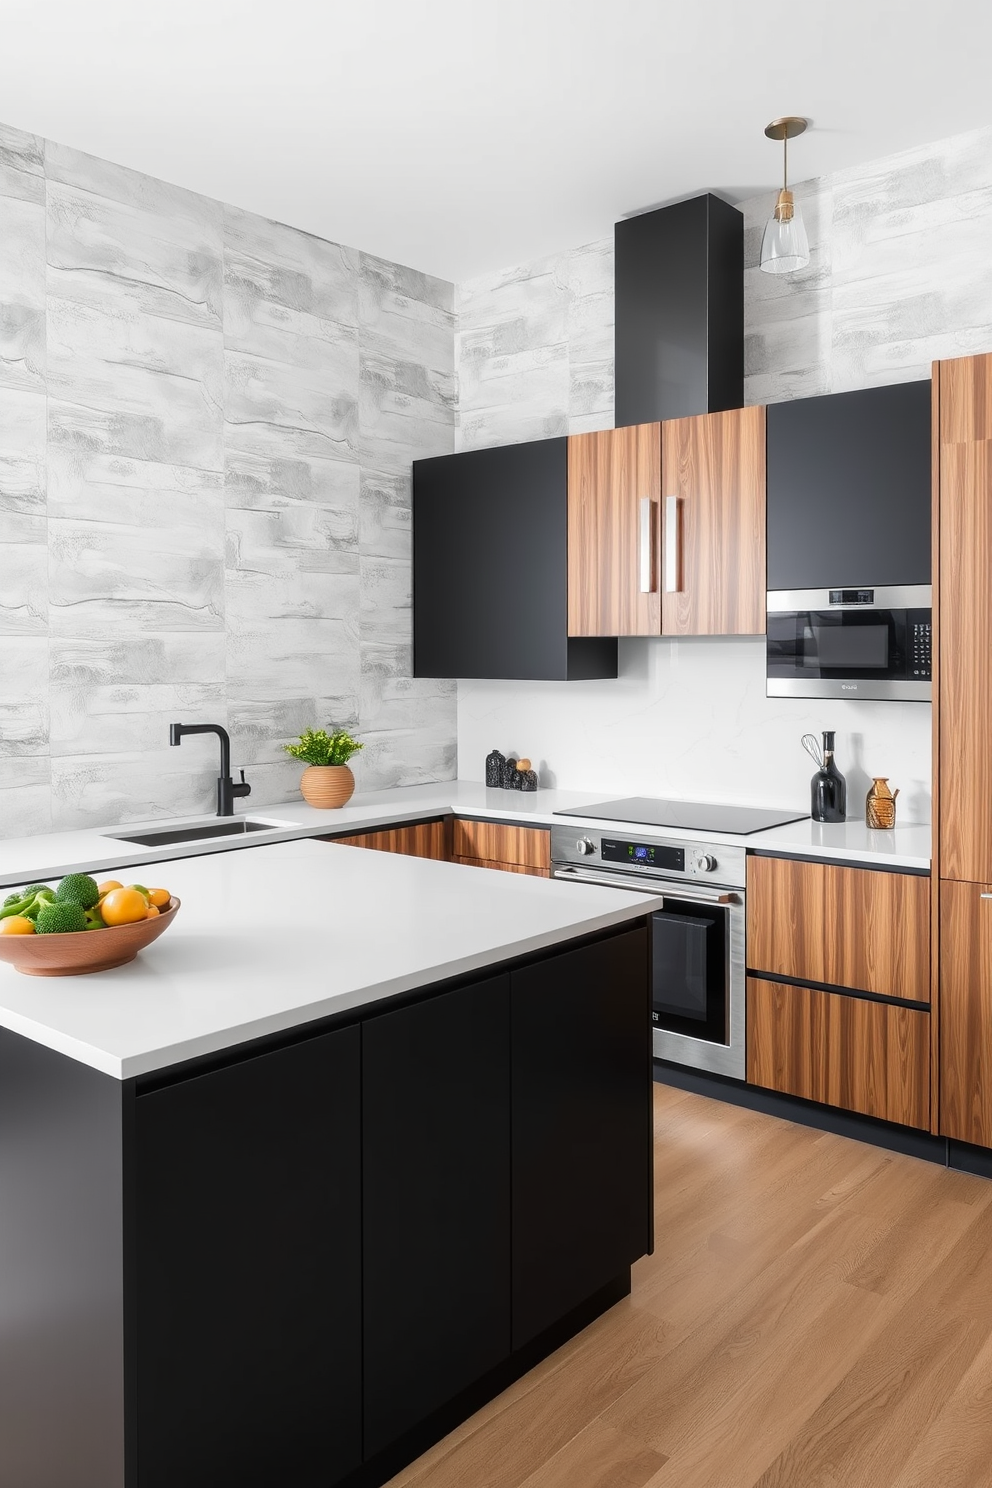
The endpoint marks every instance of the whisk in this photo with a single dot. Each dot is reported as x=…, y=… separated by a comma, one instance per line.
x=812, y=748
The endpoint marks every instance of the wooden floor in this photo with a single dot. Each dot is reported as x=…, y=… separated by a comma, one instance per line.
x=817, y=1312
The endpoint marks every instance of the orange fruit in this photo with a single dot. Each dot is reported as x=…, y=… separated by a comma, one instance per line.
x=159, y=897
x=105, y=888
x=16, y=925
x=123, y=907
x=150, y=912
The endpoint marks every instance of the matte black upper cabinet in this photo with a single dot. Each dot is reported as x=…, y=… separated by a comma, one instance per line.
x=490, y=572
x=849, y=489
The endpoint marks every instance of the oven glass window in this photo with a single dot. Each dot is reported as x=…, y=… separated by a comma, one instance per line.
x=689, y=971
x=846, y=647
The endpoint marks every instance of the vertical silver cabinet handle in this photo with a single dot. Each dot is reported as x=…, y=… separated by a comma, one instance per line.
x=673, y=557
x=646, y=544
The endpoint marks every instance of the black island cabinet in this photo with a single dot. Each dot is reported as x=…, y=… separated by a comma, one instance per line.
x=304, y=1260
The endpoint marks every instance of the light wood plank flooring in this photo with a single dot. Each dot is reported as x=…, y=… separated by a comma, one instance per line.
x=817, y=1314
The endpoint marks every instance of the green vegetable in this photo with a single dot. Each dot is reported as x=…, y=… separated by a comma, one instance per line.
x=318, y=747
x=141, y=889
x=20, y=894
x=34, y=899
x=94, y=920
x=78, y=888
x=60, y=919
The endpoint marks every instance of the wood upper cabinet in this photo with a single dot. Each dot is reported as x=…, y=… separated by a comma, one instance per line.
x=962, y=691
x=966, y=1012
x=845, y=927
x=713, y=505
x=666, y=527
x=614, y=488
x=864, y=1056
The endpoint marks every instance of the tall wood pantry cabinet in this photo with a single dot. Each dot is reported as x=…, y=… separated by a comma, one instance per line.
x=666, y=527
x=963, y=744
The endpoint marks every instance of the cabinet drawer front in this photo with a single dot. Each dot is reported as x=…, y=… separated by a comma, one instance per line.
x=966, y=1012
x=425, y=840
x=850, y=927
x=529, y=846
x=869, y=1057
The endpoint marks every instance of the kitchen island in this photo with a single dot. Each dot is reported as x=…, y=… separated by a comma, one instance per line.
x=355, y=1144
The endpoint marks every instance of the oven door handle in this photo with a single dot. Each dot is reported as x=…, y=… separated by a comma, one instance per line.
x=648, y=886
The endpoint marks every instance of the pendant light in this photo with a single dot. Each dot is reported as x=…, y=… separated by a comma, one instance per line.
x=785, y=246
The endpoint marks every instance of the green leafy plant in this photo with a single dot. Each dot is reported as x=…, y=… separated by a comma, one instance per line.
x=318, y=747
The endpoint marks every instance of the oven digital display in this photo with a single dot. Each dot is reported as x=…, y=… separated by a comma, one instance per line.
x=642, y=854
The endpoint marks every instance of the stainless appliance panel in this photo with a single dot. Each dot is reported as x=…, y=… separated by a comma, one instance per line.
x=889, y=597
x=863, y=690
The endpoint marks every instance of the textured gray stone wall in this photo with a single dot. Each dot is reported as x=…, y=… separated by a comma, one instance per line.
x=206, y=428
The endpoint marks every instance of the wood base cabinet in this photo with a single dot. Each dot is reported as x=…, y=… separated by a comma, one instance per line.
x=481, y=844
x=966, y=1012
x=861, y=1055
x=422, y=840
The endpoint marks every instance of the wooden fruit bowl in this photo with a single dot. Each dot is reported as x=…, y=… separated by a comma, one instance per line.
x=84, y=950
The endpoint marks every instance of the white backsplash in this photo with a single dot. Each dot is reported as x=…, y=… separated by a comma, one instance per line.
x=689, y=719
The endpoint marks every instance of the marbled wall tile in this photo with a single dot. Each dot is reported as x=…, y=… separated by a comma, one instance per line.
x=102, y=179
x=590, y=396
x=105, y=576
x=21, y=152
x=180, y=658
x=260, y=726
x=169, y=265
x=385, y=516
x=22, y=485
x=134, y=786
x=387, y=600
x=279, y=411
x=126, y=717
x=24, y=696
x=154, y=385
x=274, y=483
x=23, y=578
x=293, y=657
x=409, y=312
x=408, y=757
x=287, y=591
x=303, y=540
x=295, y=268
x=25, y=796
x=521, y=307
x=138, y=493
x=406, y=409
x=23, y=432
x=387, y=281
x=409, y=703
x=22, y=280
x=262, y=318
x=509, y=399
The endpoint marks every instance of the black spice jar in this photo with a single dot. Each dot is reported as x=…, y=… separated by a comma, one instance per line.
x=528, y=779
x=508, y=773
x=494, y=769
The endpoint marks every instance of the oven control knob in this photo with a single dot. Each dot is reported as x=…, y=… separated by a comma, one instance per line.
x=584, y=846
x=703, y=862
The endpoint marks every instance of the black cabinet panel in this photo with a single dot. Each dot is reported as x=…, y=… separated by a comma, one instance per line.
x=61, y=1279
x=489, y=568
x=436, y=1202
x=582, y=1146
x=849, y=489
x=679, y=311
x=248, y=1313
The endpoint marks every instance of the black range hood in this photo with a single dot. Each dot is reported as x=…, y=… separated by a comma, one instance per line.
x=679, y=338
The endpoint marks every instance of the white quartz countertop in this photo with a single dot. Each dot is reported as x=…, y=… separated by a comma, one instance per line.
x=23, y=859
x=271, y=939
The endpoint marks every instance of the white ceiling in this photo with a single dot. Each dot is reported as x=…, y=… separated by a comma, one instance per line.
x=459, y=137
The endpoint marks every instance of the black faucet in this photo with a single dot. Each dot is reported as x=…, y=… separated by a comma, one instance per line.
x=226, y=788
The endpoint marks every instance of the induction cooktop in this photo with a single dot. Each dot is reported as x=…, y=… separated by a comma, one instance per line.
x=692, y=816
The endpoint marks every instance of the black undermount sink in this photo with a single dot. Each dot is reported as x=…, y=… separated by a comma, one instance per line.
x=205, y=832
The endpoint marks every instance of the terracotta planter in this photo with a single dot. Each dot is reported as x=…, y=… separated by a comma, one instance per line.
x=325, y=786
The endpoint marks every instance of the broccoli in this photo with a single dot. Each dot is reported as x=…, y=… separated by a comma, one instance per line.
x=31, y=901
x=78, y=888
x=28, y=893
x=60, y=919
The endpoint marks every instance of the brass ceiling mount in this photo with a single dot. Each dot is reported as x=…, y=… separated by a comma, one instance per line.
x=786, y=128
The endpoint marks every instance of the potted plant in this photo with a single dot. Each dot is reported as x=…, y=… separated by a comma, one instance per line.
x=327, y=781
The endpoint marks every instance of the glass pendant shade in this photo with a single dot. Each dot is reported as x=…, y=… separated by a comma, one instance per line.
x=785, y=246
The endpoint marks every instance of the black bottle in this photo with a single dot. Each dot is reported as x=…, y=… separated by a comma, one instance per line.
x=828, y=788
x=494, y=769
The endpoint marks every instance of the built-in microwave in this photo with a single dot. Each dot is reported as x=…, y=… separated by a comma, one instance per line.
x=858, y=643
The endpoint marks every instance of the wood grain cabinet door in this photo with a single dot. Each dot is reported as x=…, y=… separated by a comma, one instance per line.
x=963, y=693
x=966, y=1012
x=713, y=524
x=499, y=844
x=846, y=927
x=851, y=1052
x=423, y=840
x=614, y=488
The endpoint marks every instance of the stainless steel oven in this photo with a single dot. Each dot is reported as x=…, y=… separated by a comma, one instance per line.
x=697, y=934
x=850, y=643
